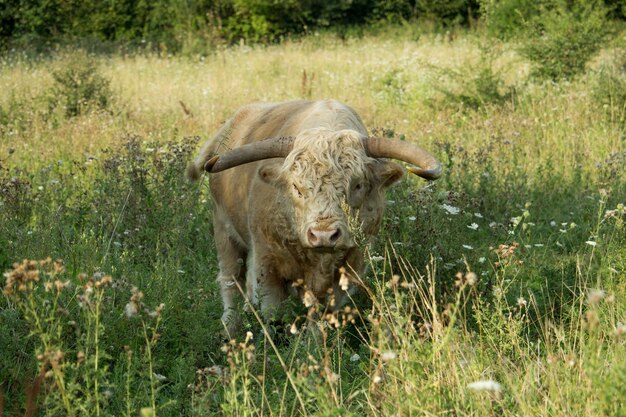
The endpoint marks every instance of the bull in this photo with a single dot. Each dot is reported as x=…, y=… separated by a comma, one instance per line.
x=289, y=181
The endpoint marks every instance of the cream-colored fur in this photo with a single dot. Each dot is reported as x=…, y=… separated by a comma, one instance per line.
x=263, y=210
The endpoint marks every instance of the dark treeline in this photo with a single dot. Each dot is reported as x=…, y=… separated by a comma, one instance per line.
x=175, y=24
x=171, y=21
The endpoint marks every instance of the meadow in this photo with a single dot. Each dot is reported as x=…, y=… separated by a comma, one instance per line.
x=499, y=289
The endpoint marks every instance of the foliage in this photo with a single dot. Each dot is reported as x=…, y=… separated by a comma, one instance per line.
x=79, y=87
x=562, y=38
x=184, y=25
x=506, y=19
x=483, y=86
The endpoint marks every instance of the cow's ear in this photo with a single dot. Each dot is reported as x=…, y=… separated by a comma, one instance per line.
x=387, y=173
x=270, y=173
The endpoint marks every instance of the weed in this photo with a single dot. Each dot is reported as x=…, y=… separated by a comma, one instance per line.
x=79, y=87
x=563, y=38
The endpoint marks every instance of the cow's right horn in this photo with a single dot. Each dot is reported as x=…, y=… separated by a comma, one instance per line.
x=256, y=151
x=425, y=165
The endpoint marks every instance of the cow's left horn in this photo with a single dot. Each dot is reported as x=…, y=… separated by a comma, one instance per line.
x=255, y=151
x=426, y=166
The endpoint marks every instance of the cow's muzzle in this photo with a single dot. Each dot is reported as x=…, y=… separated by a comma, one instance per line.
x=326, y=236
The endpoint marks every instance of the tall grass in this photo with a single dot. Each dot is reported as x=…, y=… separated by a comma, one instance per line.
x=498, y=290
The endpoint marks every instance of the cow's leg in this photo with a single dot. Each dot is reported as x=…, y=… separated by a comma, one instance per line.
x=268, y=287
x=232, y=272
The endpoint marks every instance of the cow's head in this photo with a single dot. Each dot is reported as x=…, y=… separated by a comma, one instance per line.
x=332, y=181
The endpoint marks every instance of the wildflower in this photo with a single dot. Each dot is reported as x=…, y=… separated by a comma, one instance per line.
x=486, y=385
x=481, y=260
x=131, y=309
x=472, y=226
x=591, y=243
x=393, y=282
x=249, y=336
x=344, y=280
x=521, y=302
x=309, y=299
x=459, y=279
x=293, y=329
x=468, y=247
x=159, y=377
x=553, y=223
x=480, y=216
x=595, y=296
x=471, y=279
x=412, y=218
x=355, y=357
x=376, y=258
x=451, y=209
x=377, y=379
x=388, y=356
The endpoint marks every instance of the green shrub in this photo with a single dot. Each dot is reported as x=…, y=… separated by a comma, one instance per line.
x=79, y=87
x=504, y=19
x=562, y=38
x=475, y=86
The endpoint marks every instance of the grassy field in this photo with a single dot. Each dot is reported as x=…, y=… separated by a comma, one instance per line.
x=498, y=290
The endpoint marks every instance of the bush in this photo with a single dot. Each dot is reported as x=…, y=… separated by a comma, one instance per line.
x=561, y=39
x=79, y=88
x=504, y=19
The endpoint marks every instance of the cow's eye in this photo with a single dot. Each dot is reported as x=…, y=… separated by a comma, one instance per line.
x=295, y=187
x=358, y=186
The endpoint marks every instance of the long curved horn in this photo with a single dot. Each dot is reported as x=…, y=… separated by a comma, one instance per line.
x=426, y=166
x=255, y=151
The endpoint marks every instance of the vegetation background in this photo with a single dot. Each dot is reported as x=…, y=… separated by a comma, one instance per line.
x=499, y=289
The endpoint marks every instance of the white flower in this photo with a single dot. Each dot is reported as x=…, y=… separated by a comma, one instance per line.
x=451, y=209
x=355, y=357
x=591, y=243
x=480, y=216
x=388, y=356
x=412, y=218
x=377, y=258
x=539, y=245
x=493, y=224
x=595, y=296
x=521, y=302
x=293, y=329
x=472, y=226
x=131, y=309
x=487, y=385
x=482, y=260
x=159, y=377
x=468, y=247
x=553, y=223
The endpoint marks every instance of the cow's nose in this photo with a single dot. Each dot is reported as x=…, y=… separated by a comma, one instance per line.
x=323, y=238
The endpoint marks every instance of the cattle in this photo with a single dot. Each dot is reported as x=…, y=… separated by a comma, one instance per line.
x=294, y=184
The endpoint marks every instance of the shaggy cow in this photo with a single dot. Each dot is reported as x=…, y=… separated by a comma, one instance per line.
x=289, y=182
